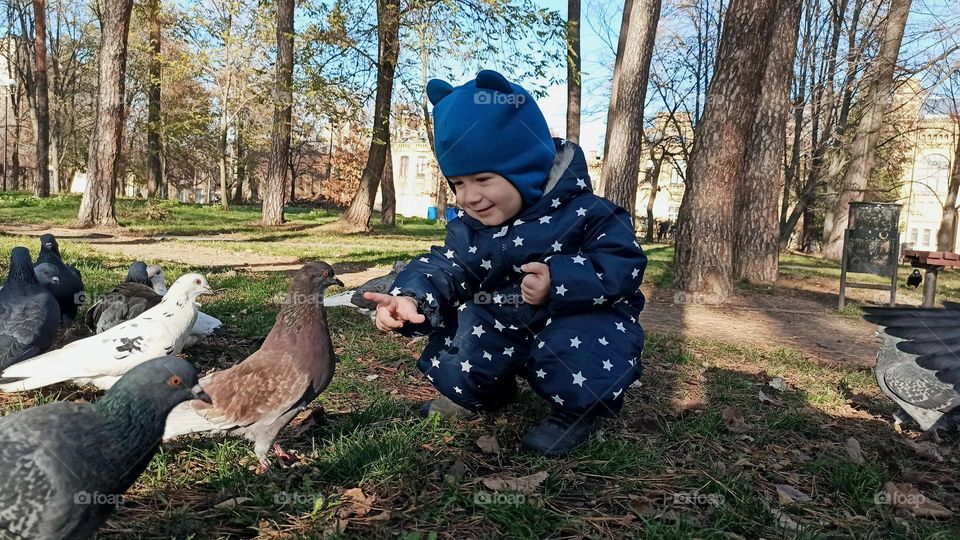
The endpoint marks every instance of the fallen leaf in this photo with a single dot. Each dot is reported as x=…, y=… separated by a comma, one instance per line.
x=784, y=521
x=355, y=503
x=791, y=495
x=908, y=497
x=733, y=419
x=524, y=484
x=921, y=478
x=232, y=502
x=489, y=445
x=372, y=377
x=778, y=384
x=925, y=449
x=853, y=450
x=767, y=399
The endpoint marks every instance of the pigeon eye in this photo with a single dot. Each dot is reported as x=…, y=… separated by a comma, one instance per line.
x=326, y=274
x=196, y=281
x=175, y=381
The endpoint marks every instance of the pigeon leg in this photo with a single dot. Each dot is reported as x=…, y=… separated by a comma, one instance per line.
x=262, y=467
x=285, y=458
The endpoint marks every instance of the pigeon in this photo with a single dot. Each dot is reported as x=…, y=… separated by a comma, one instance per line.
x=206, y=325
x=259, y=396
x=126, y=301
x=46, y=274
x=914, y=279
x=64, y=466
x=68, y=290
x=353, y=298
x=29, y=314
x=918, y=366
x=103, y=358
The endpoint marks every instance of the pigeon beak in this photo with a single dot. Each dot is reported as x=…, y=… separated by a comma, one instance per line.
x=48, y=245
x=337, y=282
x=55, y=280
x=198, y=393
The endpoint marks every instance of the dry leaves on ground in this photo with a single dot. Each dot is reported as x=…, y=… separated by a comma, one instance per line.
x=733, y=419
x=524, y=484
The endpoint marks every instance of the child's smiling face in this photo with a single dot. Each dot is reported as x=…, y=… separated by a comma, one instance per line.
x=487, y=197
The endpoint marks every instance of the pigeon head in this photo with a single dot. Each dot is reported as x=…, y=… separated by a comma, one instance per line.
x=157, y=279
x=138, y=274
x=47, y=274
x=155, y=386
x=48, y=243
x=21, y=266
x=316, y=276
x=190, y=286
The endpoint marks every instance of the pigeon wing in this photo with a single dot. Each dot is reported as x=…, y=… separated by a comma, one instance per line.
x=27, y=327
x=931, y=334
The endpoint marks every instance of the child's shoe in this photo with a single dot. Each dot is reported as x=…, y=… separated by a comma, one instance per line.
x=561, y=432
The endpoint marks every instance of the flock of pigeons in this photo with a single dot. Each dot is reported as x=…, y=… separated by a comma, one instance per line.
x=64, y=467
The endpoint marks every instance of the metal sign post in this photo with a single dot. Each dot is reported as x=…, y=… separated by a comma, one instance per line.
x=871, y=245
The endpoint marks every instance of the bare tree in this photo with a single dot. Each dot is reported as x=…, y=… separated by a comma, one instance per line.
x=621, y=45
x=621, y=168
x=757, y=232
x=41, y=186
x=97, y=206
x=388, y=29
x=879, y=98
x=273, y=192
x=155, y=185
x=574, y=64
x=704, y=252
x=388, y=214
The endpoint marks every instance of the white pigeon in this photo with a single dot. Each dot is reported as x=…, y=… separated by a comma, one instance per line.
x=102, y=359
x=206, y=325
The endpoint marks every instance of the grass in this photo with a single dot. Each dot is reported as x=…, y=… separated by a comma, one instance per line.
x=668, y=467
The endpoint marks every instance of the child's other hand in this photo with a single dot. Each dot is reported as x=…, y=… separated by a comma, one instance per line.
x=393, y=311
x=536, y=284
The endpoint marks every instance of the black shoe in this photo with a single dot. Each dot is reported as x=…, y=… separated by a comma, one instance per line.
x=445, y=408
x=560, y=433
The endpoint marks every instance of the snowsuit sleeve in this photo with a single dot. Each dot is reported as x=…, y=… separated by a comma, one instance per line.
x=609, y=267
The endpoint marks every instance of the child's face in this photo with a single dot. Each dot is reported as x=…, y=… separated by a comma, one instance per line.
x=487, y=197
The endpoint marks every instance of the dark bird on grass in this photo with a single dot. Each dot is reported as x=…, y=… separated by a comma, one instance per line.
x=64, y=466
x=259, y=396
x=919, y=366
x=29, y=314
x=353, y=298
x=68, y=291
x=914, y=279
x=126, y=301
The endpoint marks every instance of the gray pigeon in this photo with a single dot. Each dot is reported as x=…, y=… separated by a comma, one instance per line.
x=353, y=298
x=918, y=366
x=259, y=396
x=29, y=314
x=68, y=291
x=64, y=466
x=126, y=301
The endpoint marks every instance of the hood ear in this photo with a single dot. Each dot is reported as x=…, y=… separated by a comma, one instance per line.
x=492, y=80
x=437, y=90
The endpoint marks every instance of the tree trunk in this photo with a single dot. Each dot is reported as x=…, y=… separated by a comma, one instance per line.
x=240, y=173
x=97, y=207
x=654, y=180
x=947, y=234
x=273, y=190
x=756, y=246
x=388, y=25
x=704, y=244
x=621, y=45
x=879, y=98
x=574, y=65
x=154, y=170
x=388, y=215
x=621, y=168
x=41, y=186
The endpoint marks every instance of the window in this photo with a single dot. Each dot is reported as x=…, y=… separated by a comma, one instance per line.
x=673, y=212
x=914, y=233
x=926, y=237
x=675, y=178
x=404, y=166
x=421, y=166
x=932, y=174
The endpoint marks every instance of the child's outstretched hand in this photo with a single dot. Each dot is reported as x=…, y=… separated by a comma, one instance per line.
x=393, y=311
x=535, y=286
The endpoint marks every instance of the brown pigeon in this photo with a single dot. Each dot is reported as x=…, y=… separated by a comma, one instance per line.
x=259, y=396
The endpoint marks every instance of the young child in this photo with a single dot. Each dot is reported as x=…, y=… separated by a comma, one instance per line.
x=539, y=277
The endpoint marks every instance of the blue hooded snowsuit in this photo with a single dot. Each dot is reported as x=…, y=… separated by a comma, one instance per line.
x=581, y=349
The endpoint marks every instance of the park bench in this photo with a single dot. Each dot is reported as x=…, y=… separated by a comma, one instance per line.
x=932, y=262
